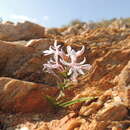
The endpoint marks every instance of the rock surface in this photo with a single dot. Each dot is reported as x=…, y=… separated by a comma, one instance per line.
x=13, y=56
x=20, y=31
x=25, y=62
x=123, y=83
x=24, y=97
x=107, y=50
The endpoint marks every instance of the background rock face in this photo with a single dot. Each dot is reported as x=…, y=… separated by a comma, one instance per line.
x=22, y=81
x=123, y=83
x=25, y=62
x=20, y=31
x=12, y=57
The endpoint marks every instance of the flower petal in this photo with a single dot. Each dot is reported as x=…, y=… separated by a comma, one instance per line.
x=70, y=71
x=47, y=52
x=86, y=66
x=64, y=62
x=81, y=71
x=55, y=43
x=69, y=49
x=79, y=53
x=74, y=76
x=82, y=62
x=73, y=56
x=51, y=49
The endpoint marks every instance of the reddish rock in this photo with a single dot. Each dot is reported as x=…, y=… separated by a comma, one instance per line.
x=87, y=110
x=112, y=63
x=123, y=84
x=32, y=70
x=52, y=31
x=25, y=62
x=106, y=49
x=95, y=125
x=25, y=97
x=104, y=70
x=20, y=31
x=112, y=111
x=40, y=44
x=69, y=122
x=116, y=128
x=12, y=57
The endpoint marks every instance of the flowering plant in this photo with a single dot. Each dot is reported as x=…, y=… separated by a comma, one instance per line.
x=65, y=64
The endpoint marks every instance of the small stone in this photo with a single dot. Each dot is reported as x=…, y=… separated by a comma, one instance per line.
x=24, y=128
x=36, y=117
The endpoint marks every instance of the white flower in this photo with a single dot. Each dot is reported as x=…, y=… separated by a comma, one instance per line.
x=50, y=66
x=60, y=59
x=76, y=68
x=73, y=54
x=54, y=50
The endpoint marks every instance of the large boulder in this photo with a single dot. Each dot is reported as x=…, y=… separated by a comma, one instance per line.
x=26, y=61
x=20, y=31
x=13, y=57
x=32, y=70
x=25, y=97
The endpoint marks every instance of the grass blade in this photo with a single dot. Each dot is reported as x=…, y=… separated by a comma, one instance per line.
x=66, y=104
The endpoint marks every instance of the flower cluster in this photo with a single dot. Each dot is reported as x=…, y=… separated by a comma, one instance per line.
x=62, y=64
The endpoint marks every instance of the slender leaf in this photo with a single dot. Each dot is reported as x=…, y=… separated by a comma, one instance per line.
x=66, y=104
x=56, y=103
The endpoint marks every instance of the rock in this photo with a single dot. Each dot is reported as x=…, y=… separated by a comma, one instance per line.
x=112, y=111
x=123, y=84
x=117, y=128
x=52, y=31
x=36, y=117
x=117, y=24
x=94, y=107
x=106, y=49
x=69, y=122
x=20, y=31
x=21, y=42
x=87, y=110
x=23, y=128
x=71, y=30
x=25, y=97
x=104, y=70
x=111, y=62
x=106, y=109
x=12, y=57
x=95, y=125
x=32, y=70
x=40, y=44
x=25, y=62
